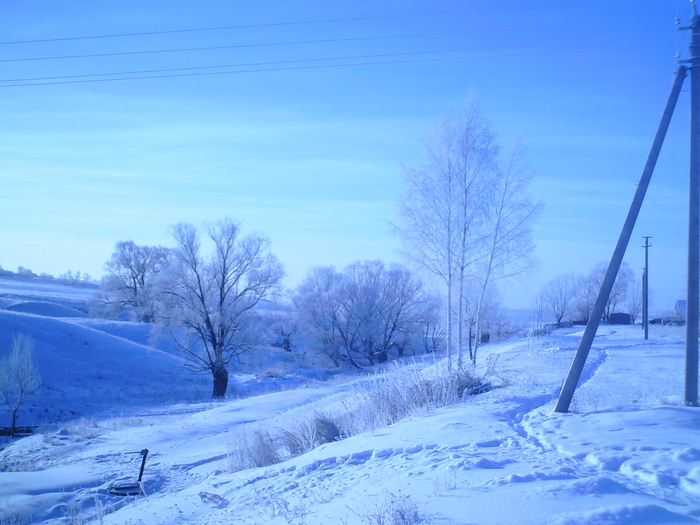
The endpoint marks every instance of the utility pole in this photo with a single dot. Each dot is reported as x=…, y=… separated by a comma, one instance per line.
x=572, y=378
x=691, y=329
x=645, y=287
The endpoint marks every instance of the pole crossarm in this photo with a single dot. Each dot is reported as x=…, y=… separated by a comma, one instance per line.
x=572, y=379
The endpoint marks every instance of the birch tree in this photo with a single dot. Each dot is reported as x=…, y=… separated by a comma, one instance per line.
x=429, y=217
x=444, y=206
x=466, y=218
x=508, y=228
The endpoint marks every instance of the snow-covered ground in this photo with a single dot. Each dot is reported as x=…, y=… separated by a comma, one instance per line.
x=629, y=453
x=22, y=288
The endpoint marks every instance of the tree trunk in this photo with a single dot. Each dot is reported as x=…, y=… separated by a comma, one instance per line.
x=460, y=320
x=449, y=323
x=13, y=428
x=220, y=381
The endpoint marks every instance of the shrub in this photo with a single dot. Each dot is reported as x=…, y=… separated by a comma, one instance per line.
x=394, y=510
x=252, y=449
x=382, y=400
x=403, y=391
x=309, y=434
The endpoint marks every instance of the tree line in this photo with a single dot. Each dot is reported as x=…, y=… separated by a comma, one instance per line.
x=570, y=297
x=210, y=302
x=465, y=223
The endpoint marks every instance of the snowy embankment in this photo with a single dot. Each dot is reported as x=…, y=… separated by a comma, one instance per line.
x=87, y=372
x=629, y=454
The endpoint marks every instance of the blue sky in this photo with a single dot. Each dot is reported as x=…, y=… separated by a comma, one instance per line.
x=311, y=156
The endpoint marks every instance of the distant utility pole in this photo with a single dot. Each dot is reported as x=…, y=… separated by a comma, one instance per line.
x=645, y=287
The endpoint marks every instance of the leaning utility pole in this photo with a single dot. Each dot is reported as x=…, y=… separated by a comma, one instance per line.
x=645, y=287
x=567, y=390
x=693, y=299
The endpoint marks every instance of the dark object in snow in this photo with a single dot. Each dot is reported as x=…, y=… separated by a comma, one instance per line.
x=132, y=489
x=668, y=321
x=19, y=431
x=472, y=386
x=326, y=430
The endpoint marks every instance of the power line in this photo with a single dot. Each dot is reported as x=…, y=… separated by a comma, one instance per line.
x=324, y=66
x=279, y=24
x=274, y=44
x=234, y=46
x=280, y=62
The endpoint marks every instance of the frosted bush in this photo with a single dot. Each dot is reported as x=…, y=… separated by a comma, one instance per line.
x=403, y=391
x=249, y=449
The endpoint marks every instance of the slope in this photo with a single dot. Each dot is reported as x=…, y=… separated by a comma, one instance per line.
x=502, y=457
x=86, y=372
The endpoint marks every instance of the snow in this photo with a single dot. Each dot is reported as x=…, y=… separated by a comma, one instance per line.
x=32, y=288
x=629, y=453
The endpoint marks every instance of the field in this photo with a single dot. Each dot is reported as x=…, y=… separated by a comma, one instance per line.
x=628, y=452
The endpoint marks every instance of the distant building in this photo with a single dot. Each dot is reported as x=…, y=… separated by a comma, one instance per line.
x=620, y=318
x=680, y=308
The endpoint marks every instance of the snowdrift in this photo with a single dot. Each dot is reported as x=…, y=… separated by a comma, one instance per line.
x=45, y=308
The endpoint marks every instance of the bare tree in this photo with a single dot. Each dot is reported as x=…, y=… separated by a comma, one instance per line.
x=285, y=323
x=558, y=295
x=465, y=219
x=364, y=313
x=19, y=376
x=318, y=309
x=431, y=328
x=586, y=293
x=633, y=303
x=444, y=204
x=213, y=299
x=539, y=307
x=618, y=294
x=508, y=246
x=130, y=284
x=588, y=287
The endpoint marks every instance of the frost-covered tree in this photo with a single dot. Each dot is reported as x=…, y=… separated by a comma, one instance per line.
x=634, y=301
x=589, y=286
x=212, y=298
x=507, y=248
x=19, y=376
x=466, y=217
x=317, y=301
x=131, y=282
x=364, y=313
x=558, y=295
x=444, y=205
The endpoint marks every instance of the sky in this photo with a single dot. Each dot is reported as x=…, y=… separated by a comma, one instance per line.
x=296, y=119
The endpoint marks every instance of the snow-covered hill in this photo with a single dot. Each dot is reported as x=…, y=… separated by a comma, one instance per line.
x=100, y=368
x=628, y=454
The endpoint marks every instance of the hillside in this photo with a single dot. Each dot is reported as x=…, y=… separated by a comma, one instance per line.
x=628, y=453
x=96, y=367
